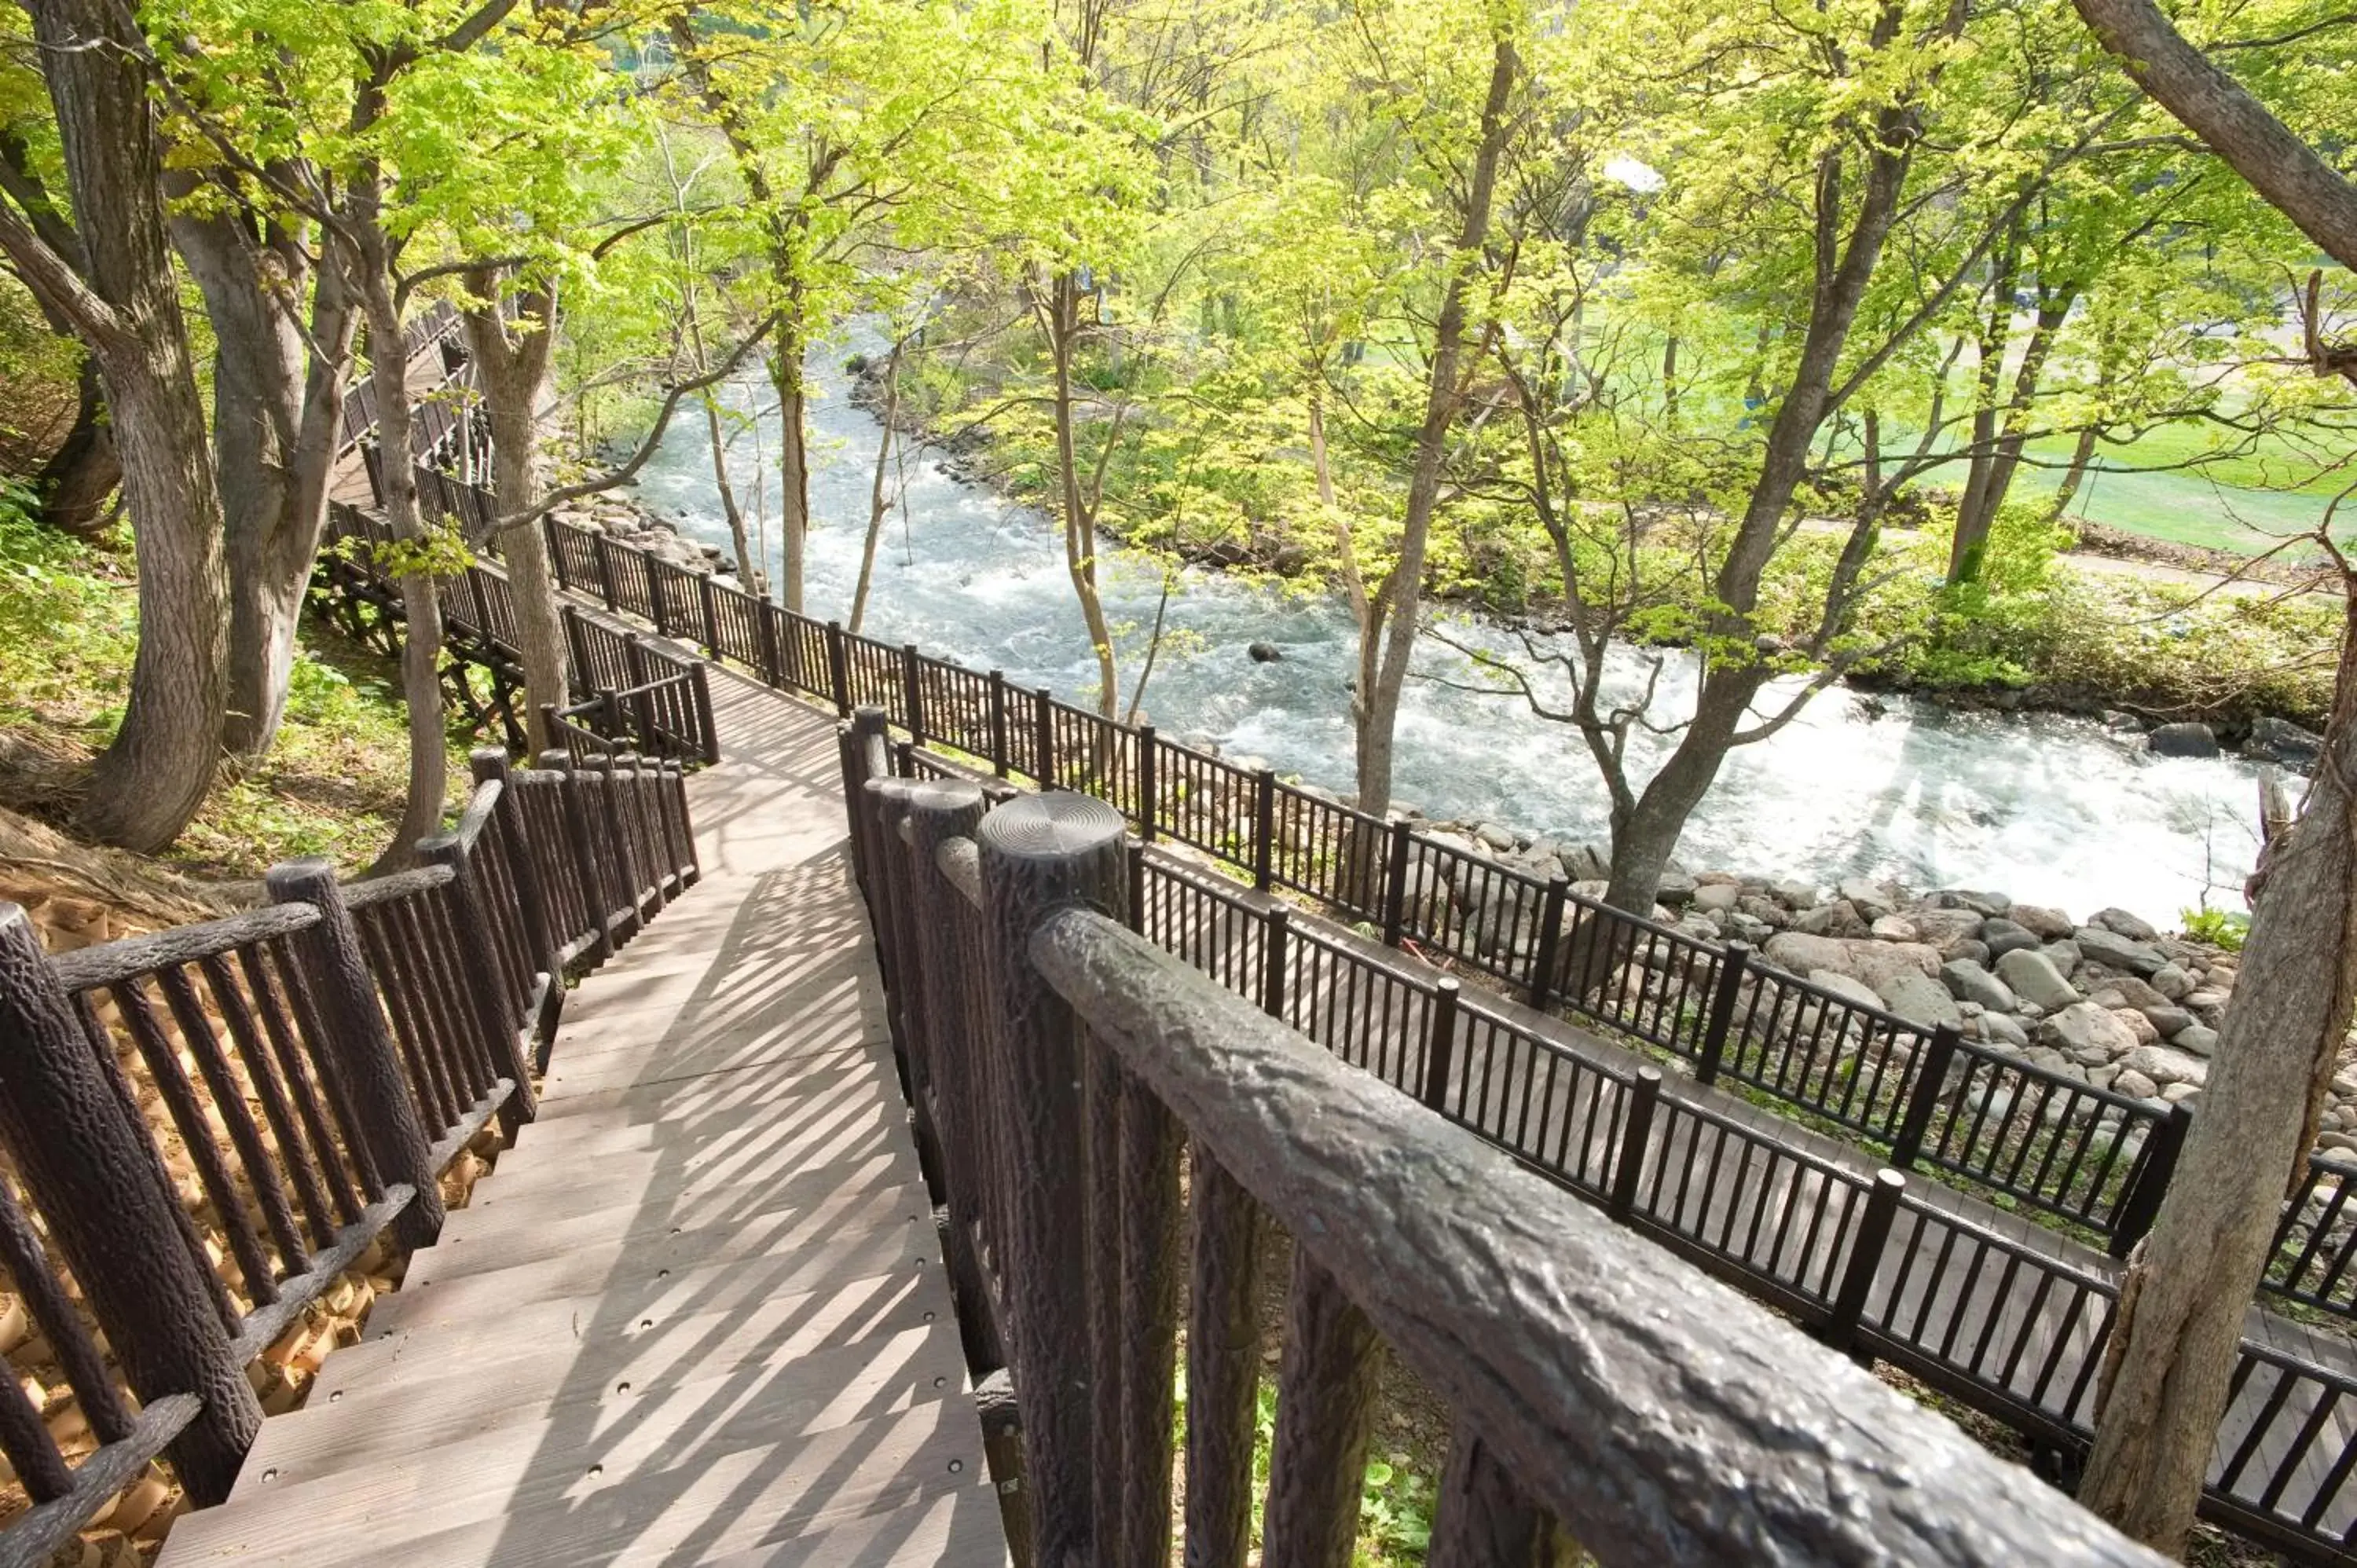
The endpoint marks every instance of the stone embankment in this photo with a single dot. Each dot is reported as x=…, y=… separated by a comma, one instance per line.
x=2108, y=1001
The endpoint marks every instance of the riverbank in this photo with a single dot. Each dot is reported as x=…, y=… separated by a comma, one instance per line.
x=2153, y=644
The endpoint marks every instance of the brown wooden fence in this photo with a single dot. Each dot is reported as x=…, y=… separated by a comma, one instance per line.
x=1065, y=1069
x=303, y=1073
x=1853, y=1255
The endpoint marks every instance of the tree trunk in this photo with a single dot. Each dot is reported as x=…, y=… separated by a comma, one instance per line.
x=748, y=571
x=1381, y=680
x=880, y=501
x=277, y=425
x=1080, y=509
x=421, y=641
x=75, y=484
x=794, y=463
x=511, y=364
x=154, y=775
x=2190, y=1282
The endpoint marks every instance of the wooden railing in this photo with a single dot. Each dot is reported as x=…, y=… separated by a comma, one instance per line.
x=312, y=1067
x=1849, y=1252
x=1065, y=1069
x=1934, y=1102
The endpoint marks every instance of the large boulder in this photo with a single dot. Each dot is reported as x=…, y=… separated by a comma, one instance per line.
x=2099, y=945
x=1919, y=999
x=2084, y=1027
x=2034, y=979
x=2165, y=1065
x=1717, y=897
x=2002, y=936
x=2280, y=740
x=1860, y=959
x=2136, y=927
x=2046, y=924
x=1871, y=898
x=1942, y=926
x=1843, y=986
x=2182, y=740
x=1968, y=982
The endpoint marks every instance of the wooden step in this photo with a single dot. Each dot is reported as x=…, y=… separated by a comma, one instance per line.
x=851, y=1125
x=532, y=1351
x=957, y=1530
x=546, y=1495
x=808, y=1393
x=689, y=1095
x=639, y=1201
x=796, y=1221
x=734, y=1268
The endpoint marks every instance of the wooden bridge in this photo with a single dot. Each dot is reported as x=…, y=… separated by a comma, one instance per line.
x=783, y=1267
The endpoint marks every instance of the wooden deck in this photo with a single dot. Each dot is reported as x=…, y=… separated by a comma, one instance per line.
x=697, y=1314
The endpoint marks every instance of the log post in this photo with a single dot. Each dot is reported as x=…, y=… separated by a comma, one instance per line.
x=2150, y=1181
x=707, y=722
x=1725, y=990
x=998, y=723
x=1042, y=853
x=711, y=615
x=1263, y=848
x=1636, y=1136
x=1146, y=784
x=381, y=1101
x=1440, y=1045
x=838, y=669
x=90, y=1170
x=939, y=812
x=1864, y=1258
x=1395, y=876
x=1932, y=1065
x=765, y=625
x=1547, y=955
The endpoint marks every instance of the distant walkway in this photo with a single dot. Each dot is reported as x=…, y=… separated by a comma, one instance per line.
x=696, y=1316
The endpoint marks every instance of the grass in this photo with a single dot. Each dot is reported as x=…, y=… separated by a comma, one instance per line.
x=333, y=782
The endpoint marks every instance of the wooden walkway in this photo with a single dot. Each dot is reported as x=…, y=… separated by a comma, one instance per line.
x=696, y=1316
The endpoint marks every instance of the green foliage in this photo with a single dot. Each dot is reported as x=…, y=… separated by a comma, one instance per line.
x=2219, y=928
x=332, y=783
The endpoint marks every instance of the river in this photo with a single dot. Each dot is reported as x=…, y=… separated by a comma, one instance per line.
x=2049, y=808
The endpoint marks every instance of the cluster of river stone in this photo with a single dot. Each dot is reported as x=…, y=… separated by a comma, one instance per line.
x=2109, y=1001
x=630, y=523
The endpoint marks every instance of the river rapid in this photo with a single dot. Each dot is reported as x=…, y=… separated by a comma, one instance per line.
x=2050, y=809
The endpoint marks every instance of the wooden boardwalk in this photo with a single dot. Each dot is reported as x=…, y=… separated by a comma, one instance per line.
x=696, y=1316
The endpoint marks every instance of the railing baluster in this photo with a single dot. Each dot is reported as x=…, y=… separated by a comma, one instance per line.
x=1325, y=1399
x=1483, y=1520
x=1222, y=1364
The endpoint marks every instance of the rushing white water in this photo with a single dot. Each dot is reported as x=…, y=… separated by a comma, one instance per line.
x=2048, y=809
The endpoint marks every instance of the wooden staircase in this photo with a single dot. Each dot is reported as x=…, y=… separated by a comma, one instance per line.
x=696, y=1316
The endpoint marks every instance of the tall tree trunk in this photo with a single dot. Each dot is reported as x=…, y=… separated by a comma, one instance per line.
x=511, y=362
x=793, y=462
x=749, y=572
x=1382, y=680
x=879, y=501
x=277, y=418
x=2172, y=1351
x=74, y=485
x=122, y=297
x=1080, y=507
x=421, y=642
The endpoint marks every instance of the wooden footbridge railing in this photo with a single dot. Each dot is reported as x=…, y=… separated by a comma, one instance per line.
x=1857, y=1258
x=1066, y=1070
x=281, y=1086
